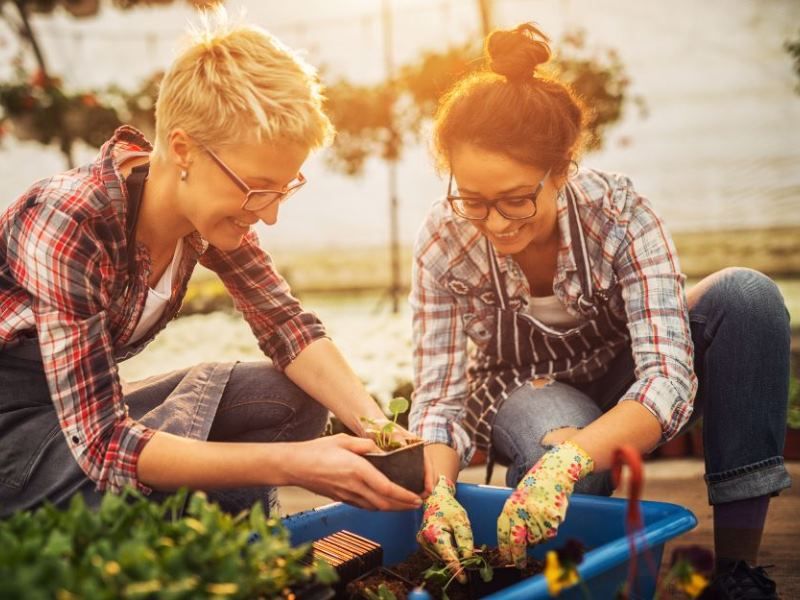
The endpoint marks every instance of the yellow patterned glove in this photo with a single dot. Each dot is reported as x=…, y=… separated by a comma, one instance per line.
x=445, y=530
x=537, y=507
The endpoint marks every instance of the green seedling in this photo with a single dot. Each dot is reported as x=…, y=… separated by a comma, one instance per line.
x=443, y=574
x=382, y=432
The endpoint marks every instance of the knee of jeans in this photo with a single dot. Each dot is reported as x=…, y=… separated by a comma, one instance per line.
x=748, y=293
x=521, y=465
x=595, y=484
x=750, y=297
x=310, y=416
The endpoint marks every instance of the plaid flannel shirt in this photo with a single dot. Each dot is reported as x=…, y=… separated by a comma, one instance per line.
x=64, y=278
x=627, y=244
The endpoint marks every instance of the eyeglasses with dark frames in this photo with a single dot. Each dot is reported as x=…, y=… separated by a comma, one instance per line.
x=257, y=199
x=513, y=208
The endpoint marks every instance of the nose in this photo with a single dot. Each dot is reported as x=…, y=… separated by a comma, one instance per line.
x=269, y=214
x=495, y=222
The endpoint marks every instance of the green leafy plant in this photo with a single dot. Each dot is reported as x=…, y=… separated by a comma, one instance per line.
x=132, y=547
x=382, y=432
x=690, y=570
x=793, y=414
x=443, y=575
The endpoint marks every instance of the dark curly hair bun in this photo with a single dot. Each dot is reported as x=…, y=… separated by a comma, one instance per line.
x=515, y=53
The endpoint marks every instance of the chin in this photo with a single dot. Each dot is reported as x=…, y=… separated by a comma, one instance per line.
x=226, y=243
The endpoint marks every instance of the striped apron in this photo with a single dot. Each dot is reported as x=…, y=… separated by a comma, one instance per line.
x=523, y=348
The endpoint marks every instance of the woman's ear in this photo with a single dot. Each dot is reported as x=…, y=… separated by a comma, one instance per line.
x=180, y=148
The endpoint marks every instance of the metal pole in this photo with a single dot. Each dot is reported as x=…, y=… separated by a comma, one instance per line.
x=394, y=236
x=485, y=7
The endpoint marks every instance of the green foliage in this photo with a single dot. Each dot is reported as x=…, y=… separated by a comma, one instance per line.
x=793, y=415
x=134, y=548
x=39, y=108
x=368, y=127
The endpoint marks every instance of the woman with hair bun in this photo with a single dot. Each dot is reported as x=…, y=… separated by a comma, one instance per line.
x=551, y=326
x=94, y=262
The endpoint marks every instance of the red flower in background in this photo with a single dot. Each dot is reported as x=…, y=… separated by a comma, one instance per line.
x=89, y=100
x=39, y=79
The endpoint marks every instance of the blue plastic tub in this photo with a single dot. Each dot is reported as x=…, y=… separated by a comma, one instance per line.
x=597, y=522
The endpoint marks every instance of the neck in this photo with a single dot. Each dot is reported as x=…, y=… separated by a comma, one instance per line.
x=160, y=226
x=541, y=246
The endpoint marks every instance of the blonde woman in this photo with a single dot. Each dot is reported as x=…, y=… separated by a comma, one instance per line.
x=94, y=262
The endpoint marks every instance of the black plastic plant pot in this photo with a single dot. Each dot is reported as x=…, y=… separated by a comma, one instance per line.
x=404, y=466
x=373, y=579
x=350, y=555
x=314, y=591
x=502, y=577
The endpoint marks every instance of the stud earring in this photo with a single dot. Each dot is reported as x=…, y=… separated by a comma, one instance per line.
x=184, y=174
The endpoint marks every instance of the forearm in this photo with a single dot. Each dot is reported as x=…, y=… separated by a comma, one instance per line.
x=323, y=373
x=627, y=423
x=168, y=462
x=444, y=461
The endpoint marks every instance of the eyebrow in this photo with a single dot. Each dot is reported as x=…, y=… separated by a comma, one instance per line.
x=506, y=191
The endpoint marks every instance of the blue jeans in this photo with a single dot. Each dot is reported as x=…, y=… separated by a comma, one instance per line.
x=740, y=329
x=258, y=404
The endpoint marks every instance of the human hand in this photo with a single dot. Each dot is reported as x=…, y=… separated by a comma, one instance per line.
x=445, y=530
x=332, y=466
x=401, y=436
x=534, y=511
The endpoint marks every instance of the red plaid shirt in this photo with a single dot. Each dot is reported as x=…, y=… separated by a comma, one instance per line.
x=64, y=278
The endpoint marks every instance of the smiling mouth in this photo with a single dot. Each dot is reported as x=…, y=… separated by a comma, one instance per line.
x=506, y=236
x=241, y=224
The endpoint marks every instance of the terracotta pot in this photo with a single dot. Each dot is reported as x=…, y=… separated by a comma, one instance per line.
x=479, y=458
x=677, y=447
x=404, y=466
x=791, y=450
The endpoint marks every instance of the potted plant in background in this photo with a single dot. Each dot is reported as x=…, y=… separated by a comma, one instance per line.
x=791, y=451
x=401, y=460
x=133, y=547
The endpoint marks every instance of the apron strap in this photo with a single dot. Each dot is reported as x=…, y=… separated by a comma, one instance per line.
x=497, y=276
x=586, y=299
x=135, y=186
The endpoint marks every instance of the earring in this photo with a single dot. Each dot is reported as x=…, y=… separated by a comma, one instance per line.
x=184, y=174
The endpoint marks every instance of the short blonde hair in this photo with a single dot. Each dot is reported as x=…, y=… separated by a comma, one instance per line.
x=235, y=83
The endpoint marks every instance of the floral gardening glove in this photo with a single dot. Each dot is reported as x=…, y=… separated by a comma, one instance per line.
x=445, y=530
x=537, y=507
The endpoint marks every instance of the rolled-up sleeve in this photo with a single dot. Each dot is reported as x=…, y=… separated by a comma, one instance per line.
x=63, y=265
x=658, y=321
x=281, y=325
x=440, y=351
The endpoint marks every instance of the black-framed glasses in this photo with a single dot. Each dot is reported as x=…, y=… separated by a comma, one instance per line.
x=256, y=199
x=513, y=208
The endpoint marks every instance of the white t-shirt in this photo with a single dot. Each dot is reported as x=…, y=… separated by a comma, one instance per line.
x=157, y=297
x=549, y=311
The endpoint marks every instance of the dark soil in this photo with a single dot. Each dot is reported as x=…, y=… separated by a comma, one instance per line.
x=412, y=569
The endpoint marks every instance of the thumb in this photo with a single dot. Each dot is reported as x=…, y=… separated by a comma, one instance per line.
x=358, y=445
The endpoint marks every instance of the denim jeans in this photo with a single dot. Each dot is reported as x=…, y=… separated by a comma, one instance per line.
x=257, y=404
x=740, y=329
